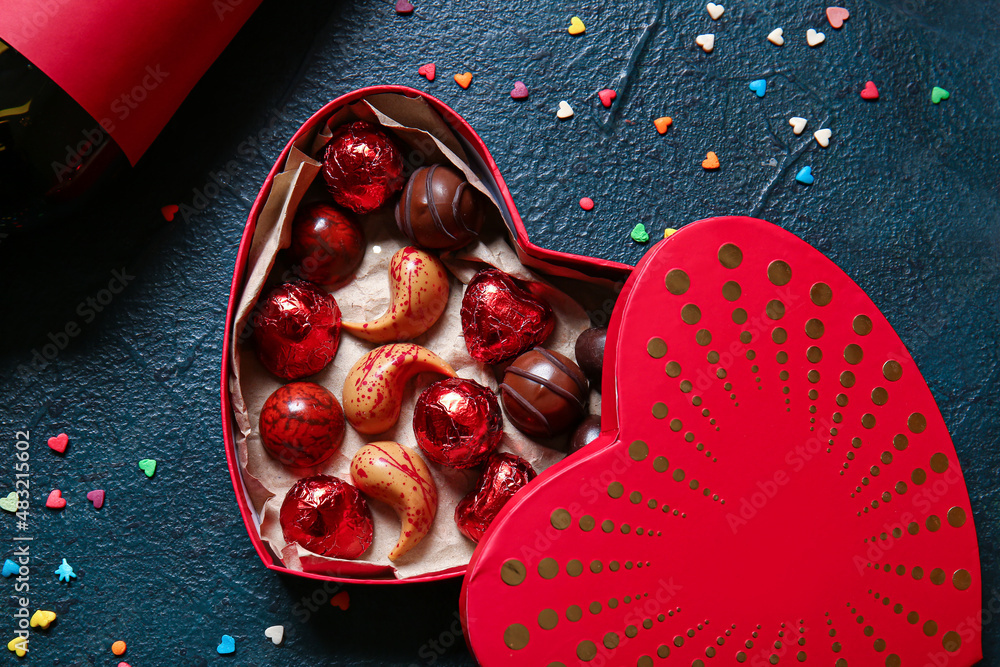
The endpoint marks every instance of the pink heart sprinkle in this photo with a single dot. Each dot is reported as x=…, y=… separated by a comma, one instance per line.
x=520, y=91
x=55, y=500
x=58, y=443
x=870, y=92
x=403, y=7
x=607, y=97
x=836, y=16
x=427, y=71
x=169, y=211
x=97, y=497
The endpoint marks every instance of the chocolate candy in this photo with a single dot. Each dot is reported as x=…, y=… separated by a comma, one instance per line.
x=457, y=422
x=362, y=167
x=585, y=433
x=590, y=352
x=439, y=209
x=327, y=516
x=327, y=246
x=504, y=476
x=296, y=329
x=544, y=393
x=501, y=319
x=301, y=424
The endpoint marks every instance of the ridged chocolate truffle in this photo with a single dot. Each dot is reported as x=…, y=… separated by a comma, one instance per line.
x=439, y=210
x=544, y=393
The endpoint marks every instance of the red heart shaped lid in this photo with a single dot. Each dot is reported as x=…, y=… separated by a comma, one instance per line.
x=774, y=484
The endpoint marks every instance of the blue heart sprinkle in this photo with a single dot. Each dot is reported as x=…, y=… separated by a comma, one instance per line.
x=227, y=646
x=10, y=568
x=759, y=86
x=805, y=175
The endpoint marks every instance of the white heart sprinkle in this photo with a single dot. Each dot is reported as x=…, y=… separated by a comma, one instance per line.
x=798, y=124
x=814, y=38
x=715, y=11
x=706, y=42
x=823, y=137
x=565, y=111
x=276, y=633
x=776, y=37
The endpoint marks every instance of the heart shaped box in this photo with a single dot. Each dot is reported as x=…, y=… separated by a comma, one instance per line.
x=540, y=259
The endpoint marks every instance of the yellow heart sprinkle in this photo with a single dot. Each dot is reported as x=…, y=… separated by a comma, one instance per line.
x=18, y=645
x=576, y=26
x=42, y=618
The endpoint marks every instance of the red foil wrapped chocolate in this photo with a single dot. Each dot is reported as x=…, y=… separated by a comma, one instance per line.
x=504, y=476
x=362, y=167
x=327, y=246
x=296, y=329
x=301, y=424
x=457, y=422
x=327, y=516
x=501, y=319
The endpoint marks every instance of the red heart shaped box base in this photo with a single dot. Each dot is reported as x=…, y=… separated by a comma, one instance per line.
x=546, y=261
x=773, y=484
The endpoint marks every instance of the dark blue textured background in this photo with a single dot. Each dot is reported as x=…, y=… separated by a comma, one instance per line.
x=905, y=200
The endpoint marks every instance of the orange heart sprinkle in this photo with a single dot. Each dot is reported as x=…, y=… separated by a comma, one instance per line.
x=663, y=123
x=463, y=79
x=711, y=161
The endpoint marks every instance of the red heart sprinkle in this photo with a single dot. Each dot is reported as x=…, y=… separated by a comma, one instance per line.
x=55, y=500
x=97, y=497
x=58, y=443
x=404, y=7
x=520, y=91
x=870, y=92
x=427, y=71
x=169, y=211
x=607, y=97
x=836, y=16
x=342, y=600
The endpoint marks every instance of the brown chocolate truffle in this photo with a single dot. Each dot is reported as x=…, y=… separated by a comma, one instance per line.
x=544, y=393
x=439, y=210
x=585, y=433
x=590, y=352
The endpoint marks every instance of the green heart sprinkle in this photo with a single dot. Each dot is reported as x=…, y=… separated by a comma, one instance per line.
x=9, y=502
x=939, y=94
x=639, y=234
x=148, y=466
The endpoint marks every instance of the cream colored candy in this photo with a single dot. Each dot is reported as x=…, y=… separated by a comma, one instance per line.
x=418, y=294
x=373, y=389
x=396, y=475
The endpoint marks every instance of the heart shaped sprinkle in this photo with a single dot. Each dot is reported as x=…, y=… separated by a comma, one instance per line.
x=276, y=633
x=427, y=71
x=715, y=11
x=565, y=110
x=226, y=646
x=706, y=42
x=668, y=232
x=805, y=176
x=663, y=123
x=42, y=619
x=759, y=86
x=341, y=600
x=870, y=92
x=169, y=211
x=10, y=568
x=798, y=124
x=404, y=7
x=148, y=466
x=520, y=91
x=19, y=646
x=823, y=136
x=576, y=26
x=711, y=161
x=55, y=500
x=587, y=204
x=607, y=97
x=814, y=38
x=97, y=497
x=464, y=79
x=836, y=16
x=639, y=233
x=119, y=647
x=776, y=37
x=58, y=443
x=939, y=94
x=9, y=502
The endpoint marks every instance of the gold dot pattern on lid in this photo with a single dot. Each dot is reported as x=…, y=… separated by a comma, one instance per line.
x=691, y=314
x=814, y=328
x=916, y=423
x=513, y=572
x=560, y=519
x=656, y=347
x=676, y=425
x=731, y=291
x=607, y=525
x=548, y=619
x=951, y=641
x=847, y=379
x=678, y=475
x=853, y=354
x=779, y=273
x=548, y=568
x=739, y=316
x=900, y=441
x=962, y=579
x=516, y=637
x=745, y=337
x=956, y=517
x=939, y=463
x=677, y=281
x=821, y=294
x=892, y=370
x=862, y=325
x=868, y=420
x=919, y=476
x=933, y=523
x=611, y=640
x=638, y=450
x=586, y=650
x=775, y=309
x=814, y=354
x=574, y=613
x=587, y=523
x=660, y=464
x=663, y=651
x=779, y=335
x=672, y=369
x=880, y=396
x=730, y=255
x=703, y=337
x=616, y=489
x=930, y=628
x=660, y=410
x=596, y=567
x=937, y=576
x=574, y=568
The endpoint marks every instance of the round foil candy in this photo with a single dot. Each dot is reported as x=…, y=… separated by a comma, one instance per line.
x=457, y=423
x=327, y=246
x=504, y=476
x=501, y=319
x=327, y=516
x=362, y=167
x=296, y=329
x=302, y=424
